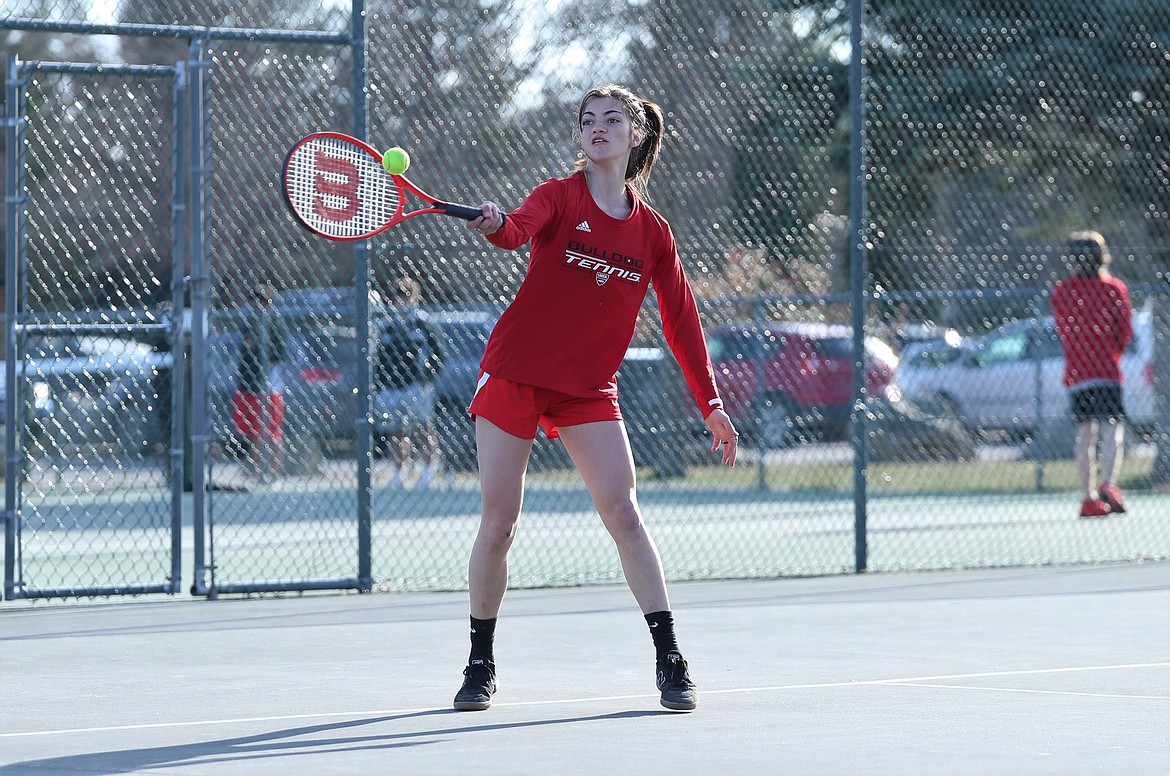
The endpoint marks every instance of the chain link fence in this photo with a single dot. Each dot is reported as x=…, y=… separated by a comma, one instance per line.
x=88, y=400
x=991, y=131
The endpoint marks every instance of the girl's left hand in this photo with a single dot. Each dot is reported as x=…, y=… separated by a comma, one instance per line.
x=724, y=435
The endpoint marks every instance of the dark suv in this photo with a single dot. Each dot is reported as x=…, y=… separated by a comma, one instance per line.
x=462, y=336
x=787, y=380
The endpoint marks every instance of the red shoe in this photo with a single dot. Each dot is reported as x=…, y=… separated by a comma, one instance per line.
x=1111, y=495
x=1092, y=507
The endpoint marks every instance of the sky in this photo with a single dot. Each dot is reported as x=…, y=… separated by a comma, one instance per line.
x=102, y=11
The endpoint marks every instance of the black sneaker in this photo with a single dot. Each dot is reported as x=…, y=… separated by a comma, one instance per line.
x=678, y=691
x=478, y=686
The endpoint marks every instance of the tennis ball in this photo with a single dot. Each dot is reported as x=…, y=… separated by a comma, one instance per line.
x=395, y=161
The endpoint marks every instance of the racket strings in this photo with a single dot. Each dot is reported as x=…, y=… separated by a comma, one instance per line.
x=339, y=189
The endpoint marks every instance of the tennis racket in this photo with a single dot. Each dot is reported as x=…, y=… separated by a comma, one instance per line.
x=337, y=188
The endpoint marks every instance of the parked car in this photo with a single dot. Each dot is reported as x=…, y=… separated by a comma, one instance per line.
x=660, y=415
x=922, y=358
x=908, y=337
x=88, y=389
x=321, y=374
x=1012, y=380
x=462, y=336
x=407, y=359
x=783, y=380
x=654, y=398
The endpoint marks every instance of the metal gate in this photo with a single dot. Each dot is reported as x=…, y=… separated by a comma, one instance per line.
x=117, y=326
x=286, y=517
x=93, y=400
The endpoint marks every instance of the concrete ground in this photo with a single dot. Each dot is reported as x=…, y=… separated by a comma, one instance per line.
x=1060, y=670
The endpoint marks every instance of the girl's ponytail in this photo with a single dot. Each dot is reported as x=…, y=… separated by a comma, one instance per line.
x=643, y=157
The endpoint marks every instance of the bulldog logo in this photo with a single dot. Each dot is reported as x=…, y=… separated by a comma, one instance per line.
x=601, y=278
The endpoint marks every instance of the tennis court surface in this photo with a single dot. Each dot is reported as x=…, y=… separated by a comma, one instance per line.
x=1042, y=670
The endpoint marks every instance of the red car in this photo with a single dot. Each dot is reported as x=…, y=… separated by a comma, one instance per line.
x=781, y=380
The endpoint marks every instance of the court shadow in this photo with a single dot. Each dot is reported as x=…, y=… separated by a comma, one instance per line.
x=319, y=739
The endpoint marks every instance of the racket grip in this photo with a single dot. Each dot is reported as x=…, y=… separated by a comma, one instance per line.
x=462, y=211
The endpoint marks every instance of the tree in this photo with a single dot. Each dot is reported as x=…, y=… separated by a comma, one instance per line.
x=55, y=213
x=34, y=46
x=754, y=108
x=442, y=77
x=1000, y=124
x=1000, y=127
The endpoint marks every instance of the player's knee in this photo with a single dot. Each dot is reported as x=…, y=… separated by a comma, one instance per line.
x=622, y=519
x=497, y=532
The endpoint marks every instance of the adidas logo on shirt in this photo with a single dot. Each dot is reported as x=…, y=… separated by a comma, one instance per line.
x=583, y=227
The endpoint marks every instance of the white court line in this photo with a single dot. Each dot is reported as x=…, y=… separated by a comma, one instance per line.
x=908, y=681
x=1044, y=692
x=911, y=679
x=1025, y=672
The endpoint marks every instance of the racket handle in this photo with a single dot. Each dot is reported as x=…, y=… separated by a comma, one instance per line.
x=462, y=211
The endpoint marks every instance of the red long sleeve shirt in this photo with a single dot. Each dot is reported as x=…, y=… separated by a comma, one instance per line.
x=1094, y=319
x=573, y=318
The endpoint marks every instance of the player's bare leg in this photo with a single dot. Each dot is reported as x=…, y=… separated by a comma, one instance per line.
x=1112, y=452
x=427, y=445
x=1086, y=458
x=398, y=449
x=503, y=461
x=602, y=454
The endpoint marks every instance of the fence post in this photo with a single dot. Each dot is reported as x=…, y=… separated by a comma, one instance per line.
x=179, y=460
x=361, y=284
x=758, y=368
x=199, y=280
x=13, y=457
x=858, y=274
x=1040, y=439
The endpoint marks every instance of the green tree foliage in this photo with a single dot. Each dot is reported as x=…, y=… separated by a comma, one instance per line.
x=34, y=46
x=259, y=98
x=443, y=83
x=753, y=106
x=998, y=124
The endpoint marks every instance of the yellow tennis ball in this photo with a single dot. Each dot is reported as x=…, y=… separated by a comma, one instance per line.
x=395, y=161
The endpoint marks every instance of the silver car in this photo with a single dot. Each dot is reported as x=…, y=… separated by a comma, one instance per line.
x=89, y=389
x=1012, y=380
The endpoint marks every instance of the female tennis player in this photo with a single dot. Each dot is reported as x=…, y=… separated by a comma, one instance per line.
x=552, y=358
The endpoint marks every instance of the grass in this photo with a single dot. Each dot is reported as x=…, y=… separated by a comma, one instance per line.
x=895, y=477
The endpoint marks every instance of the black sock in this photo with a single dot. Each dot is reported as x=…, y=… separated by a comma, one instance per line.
x=662, y=631
x=483, y=634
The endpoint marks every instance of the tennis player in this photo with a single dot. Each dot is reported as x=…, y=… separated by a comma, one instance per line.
x=1093, y=316
x=552, y=359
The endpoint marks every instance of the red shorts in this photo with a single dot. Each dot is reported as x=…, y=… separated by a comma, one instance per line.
x=249, y=413
x=518, y=408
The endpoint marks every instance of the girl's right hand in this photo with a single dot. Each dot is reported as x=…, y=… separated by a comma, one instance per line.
x=490, y=221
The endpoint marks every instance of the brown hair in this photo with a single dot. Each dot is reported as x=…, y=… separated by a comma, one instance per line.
x=1088, y=254
x=645, y=119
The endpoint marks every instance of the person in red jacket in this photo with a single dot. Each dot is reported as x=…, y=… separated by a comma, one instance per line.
x=1093, y=317
x=551, y=361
